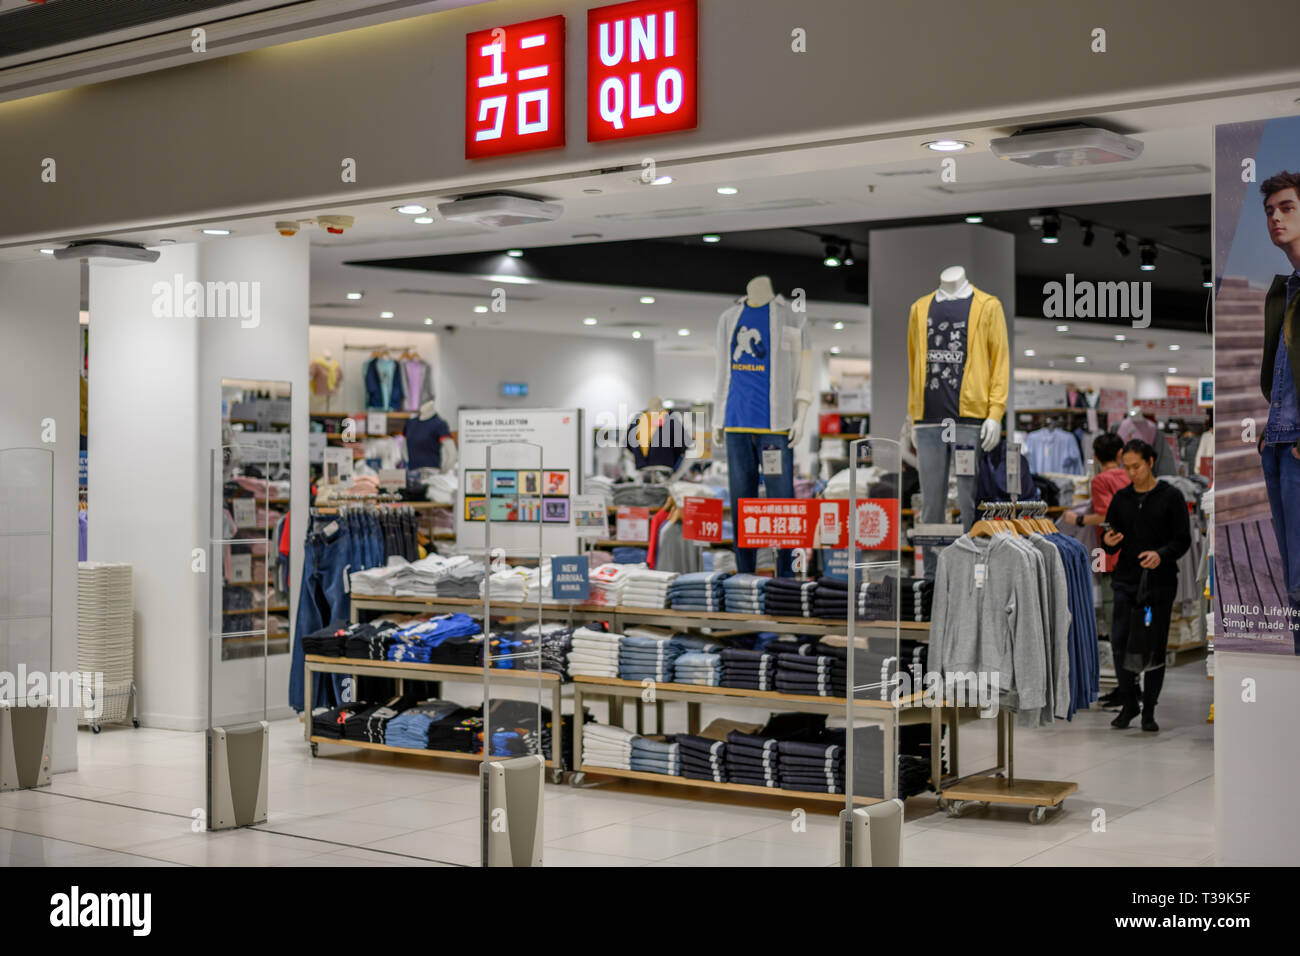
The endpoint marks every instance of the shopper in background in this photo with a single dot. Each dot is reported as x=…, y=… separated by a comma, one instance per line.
x=1279, y=376
x=1110, y=478
x=1149, y=530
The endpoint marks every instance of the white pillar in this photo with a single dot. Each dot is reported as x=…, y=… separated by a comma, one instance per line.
x=39, y=301
x=1150, y=385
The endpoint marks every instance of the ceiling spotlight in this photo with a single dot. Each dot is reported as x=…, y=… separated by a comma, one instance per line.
x=1123, y=366
x=511, y=280
x=848, y=257
x=480, y=309
x=1147, y=251
x=354, y=296
x=428, y=321
x=1207, y=280
x=636, y=334
x=657, y=181
x=1088, y=234
x=1030, y=353
x=411, y=209
x=683, y=331
x=832, y=256
x=711, y=237
x=385, y=315
x=727, y=190
x=647, y=300
x=514, y=253
x=945, y=145
x=47, y=252
x=1121, y=244
x=1174, y=348
x=1081, y=359
x=422, y=220
x=216, y=232
x=287, y=227
x=975, y=219
x=1121, y=338
x=1062, y=328
x=588, y=321
x=1173, y=371
x=838, y=326
x=835, y=350
x=1051, y=228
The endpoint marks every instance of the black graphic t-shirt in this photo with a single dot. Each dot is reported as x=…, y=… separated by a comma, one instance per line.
x=945, y=360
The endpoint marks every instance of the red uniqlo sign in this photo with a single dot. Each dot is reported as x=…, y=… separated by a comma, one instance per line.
x=702, y=519
x=877, y=523
x=776, y=523
x=641, y=68
x=514, y=88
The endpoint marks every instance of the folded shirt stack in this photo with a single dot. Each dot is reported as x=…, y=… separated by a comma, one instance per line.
x=608, y=581
x=788, y=597
x=701, y=758
x=460, y=731
x=329, y=722
x=647, y=588
x=422, y=578
x=599, y=485
x=647, y=653
x=698, y=667
x=627, y=554
x=594, y=653
x=878, y=600
x=640, y=496
x=814, y=675
x=416, y=642
x=368, y=724
x=752, y=759
x=698, y=591
x=916, y=596
x=329, y=641
x=753, y=670
x=816, y=766
x=410, y=728
x=463, y=650
x=371, y=641
x=376, y=582
x=831, y=599
x=462, y=581
x=510, y=585
x=745, y=593
x=605, y=746
x=556, y=640
x=656, y=755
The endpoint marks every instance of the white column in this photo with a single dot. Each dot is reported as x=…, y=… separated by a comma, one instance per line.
x=39, y=301
x=1150, y=385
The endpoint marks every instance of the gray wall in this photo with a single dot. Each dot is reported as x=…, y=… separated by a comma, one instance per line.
x=905, y=265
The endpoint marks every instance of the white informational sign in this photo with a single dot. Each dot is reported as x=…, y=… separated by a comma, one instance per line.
x=376, y=423
x=241, y=568
x=1032, y=395
x=535, y=474
x=392, y=478
x=590, y=517
x=262, y=447
x=855, y=401
x=338, y=466
x=316, y=447
x=244, y=511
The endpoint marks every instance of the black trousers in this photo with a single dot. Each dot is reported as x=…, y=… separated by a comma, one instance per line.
x=1162, y=608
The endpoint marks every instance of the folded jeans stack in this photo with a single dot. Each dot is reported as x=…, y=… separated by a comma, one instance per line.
x=878, y=600
x=745, y=594
x=831, y=599
x=647, y=654
x=813, y=765
x=752, y=759
x=702, y=758
x=788, y=597
x=410, y=728
x=655, y=755
x=698, y=591
x=751, y=670
x=812, y=675
x=698, y=667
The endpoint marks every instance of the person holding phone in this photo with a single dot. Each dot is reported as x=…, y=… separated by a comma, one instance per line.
x=1149, y=531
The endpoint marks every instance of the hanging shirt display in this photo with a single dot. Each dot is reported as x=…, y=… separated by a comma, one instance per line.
x=424, y=441
x=658, y=439
x=326, y=376
x=1053, y=451
x=946, y=360
x=749, y=405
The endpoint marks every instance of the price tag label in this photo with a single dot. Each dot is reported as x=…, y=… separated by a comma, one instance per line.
x=241, y=568
x=376, y=423
x=1013, y=468
x=772, y=461
x=965, y=461
x=244, y=511
x=980, y=571
x=702, y=519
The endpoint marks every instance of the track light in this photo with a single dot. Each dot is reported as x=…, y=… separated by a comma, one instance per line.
x=1051, y=228
x=832, y=256
x=1088, y=234
x=1207, y=280
x=1147, y=252
x=1121, y=244
x=974, y=219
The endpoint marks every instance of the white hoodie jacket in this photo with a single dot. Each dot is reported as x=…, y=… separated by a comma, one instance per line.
x=790, y=376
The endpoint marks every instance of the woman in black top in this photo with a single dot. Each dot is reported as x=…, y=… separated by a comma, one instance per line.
x=1148, y=527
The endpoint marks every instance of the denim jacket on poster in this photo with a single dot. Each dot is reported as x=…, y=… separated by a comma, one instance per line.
x=1281, y=323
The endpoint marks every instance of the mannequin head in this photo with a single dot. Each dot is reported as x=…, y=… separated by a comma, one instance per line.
x=759, y=292
x=952, y=278
x=427, y=411
x=656, y=404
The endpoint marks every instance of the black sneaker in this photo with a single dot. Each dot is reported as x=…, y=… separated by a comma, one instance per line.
x=1125, y=716
x=1149, y=725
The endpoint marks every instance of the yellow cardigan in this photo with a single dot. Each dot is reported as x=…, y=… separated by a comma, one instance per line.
x=986, y=376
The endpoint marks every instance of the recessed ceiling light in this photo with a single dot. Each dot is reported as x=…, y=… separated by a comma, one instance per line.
x=592, y=192
x=1174, y=348
x=727, y=190
x=1173, y=371
x=1062, y=328
x=647, y=300
x=662, y=181
x=683, y=331
x=1030, y=353
x=510, y=280
x=636, y=334
x=47, y=252
x=428, y=320
x=711, y=237
x=1121, y=338
x=354, y=296
x=945, y=145
x=835, y=350
x=1123, y=366
x=1081, y=359
x=385, y=315
x=423, y=220
x=480, y=308
x=216, y=232
x=411, y=209
x=838, y=326
x=975, y=219
x=514, y=253
x=588, y=321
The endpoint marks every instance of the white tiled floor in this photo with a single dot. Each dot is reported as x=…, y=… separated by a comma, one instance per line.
x=1143, y=800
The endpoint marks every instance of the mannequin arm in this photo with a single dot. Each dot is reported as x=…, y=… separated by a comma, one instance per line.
x=448, y=454
x=990, y=434
x=800, y=416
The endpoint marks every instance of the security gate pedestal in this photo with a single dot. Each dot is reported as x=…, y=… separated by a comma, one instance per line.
x=25, y=737
x=237, y=775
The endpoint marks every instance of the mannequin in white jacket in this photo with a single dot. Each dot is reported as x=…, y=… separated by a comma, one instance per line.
x=761, y=398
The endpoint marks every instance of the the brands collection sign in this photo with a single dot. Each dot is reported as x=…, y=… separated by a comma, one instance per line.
x=641, y=78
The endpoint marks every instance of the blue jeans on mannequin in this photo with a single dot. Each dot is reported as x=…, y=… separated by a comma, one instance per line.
x=744, y=468
x=1282, y=481
x=933, y=459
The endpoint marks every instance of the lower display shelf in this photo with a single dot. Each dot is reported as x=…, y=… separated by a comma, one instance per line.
x=385, y=748
x=595, y=769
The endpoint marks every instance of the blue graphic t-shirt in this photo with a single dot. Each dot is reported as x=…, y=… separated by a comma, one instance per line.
x=945, y=359
x=748, y=401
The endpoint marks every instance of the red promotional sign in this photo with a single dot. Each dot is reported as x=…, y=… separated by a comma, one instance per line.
x=702, y=519
x=1113, y=400
x=877, y=523
x=1178, y=391
x=633, y=524
x=641, y=68
x=776, y=522
x=514, y=88
x=1163, y=408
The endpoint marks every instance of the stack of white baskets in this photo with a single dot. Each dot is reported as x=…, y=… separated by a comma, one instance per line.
x=106, y=637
